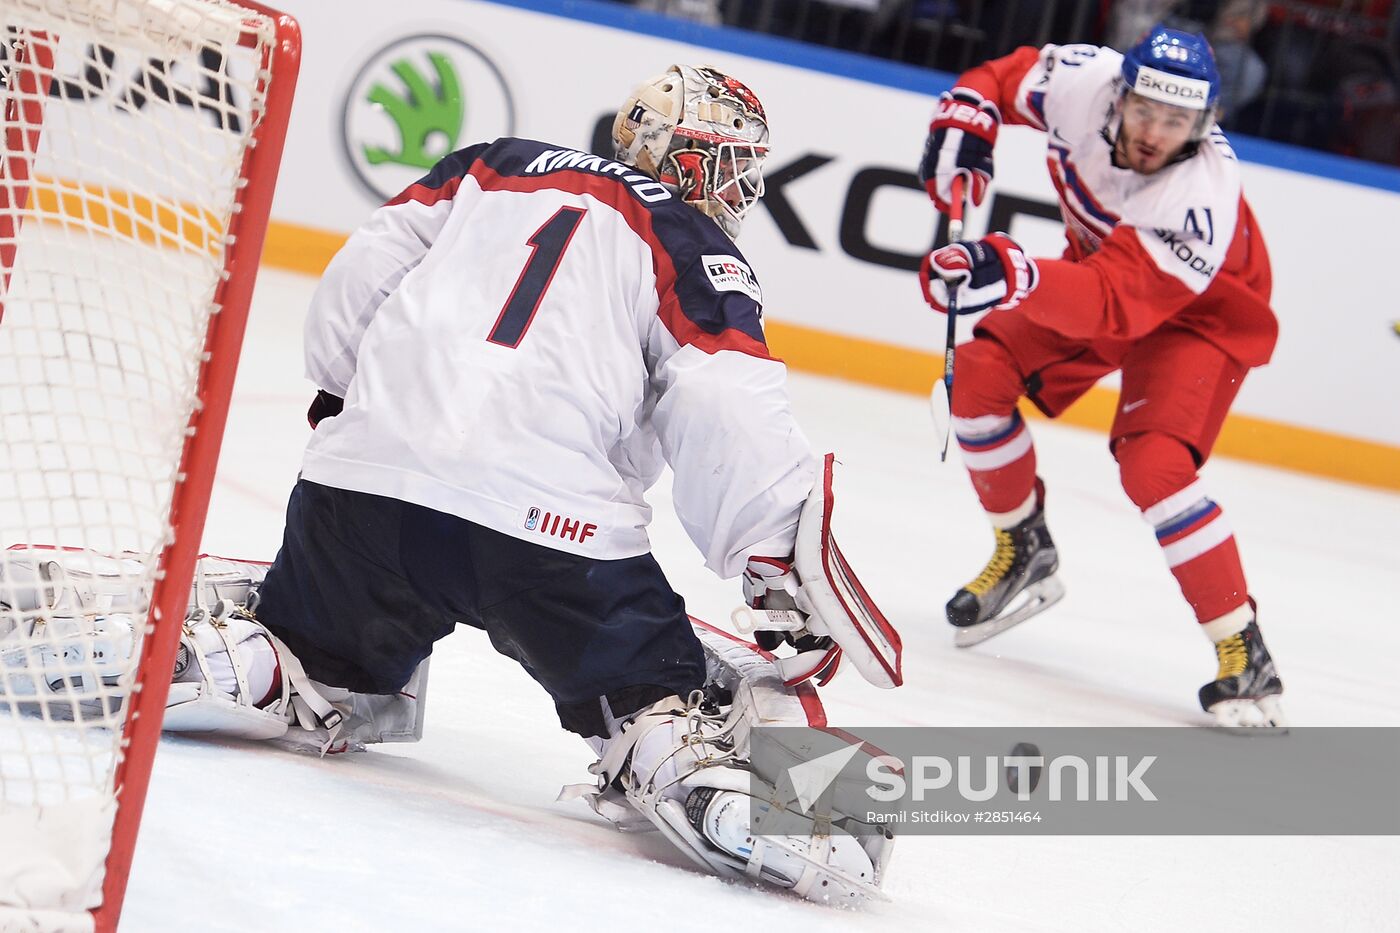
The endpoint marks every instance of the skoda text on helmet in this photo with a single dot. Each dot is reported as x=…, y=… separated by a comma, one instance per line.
x=1177, y=68
x=701, y=133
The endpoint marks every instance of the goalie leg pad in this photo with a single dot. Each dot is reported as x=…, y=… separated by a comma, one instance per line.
x=229, y=679
x=683, y=767
x=233, y=677
x=58, y=655
x=40, y=578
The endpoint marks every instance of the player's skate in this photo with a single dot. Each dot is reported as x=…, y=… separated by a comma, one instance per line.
x=1247, y=689
x=684, y=767
x=1017, y=583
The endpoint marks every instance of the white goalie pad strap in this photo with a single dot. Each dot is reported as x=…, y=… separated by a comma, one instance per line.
x=760, y=697
x=227, y=649
x=217, y=634
x=333, y=719
x=311, y=707
x=837, y=603
x=36, y=578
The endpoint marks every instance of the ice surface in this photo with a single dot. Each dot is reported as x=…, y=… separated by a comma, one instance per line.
x=460, y=832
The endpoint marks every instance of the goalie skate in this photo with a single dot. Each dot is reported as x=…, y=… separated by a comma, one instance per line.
x=830, y=866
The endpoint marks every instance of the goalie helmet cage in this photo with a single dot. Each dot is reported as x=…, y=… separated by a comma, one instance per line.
x=142, y=141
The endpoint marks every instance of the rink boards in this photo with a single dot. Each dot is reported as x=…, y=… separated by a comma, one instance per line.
x=845, y=219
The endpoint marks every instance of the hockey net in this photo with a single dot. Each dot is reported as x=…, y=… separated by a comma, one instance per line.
x=141, y=146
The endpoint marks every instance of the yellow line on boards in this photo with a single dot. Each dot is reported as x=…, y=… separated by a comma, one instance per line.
x=300, y=249
x=1257, y=440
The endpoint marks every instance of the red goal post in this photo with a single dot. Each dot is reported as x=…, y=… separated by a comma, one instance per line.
x=142, y=143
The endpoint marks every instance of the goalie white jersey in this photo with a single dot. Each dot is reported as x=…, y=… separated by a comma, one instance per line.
x=524, y=335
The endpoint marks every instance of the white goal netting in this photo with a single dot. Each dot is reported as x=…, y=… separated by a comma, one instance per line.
x=125, y=126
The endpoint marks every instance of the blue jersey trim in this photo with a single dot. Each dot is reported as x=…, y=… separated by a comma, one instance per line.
x=1077, y=186
x=910, y=78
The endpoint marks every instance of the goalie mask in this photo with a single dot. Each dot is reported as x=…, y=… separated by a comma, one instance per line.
x=702, y=134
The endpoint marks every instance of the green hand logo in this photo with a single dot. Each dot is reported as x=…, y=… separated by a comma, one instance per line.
x=429, y=118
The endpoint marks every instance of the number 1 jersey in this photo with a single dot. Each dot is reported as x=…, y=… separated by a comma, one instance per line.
x=526, y=334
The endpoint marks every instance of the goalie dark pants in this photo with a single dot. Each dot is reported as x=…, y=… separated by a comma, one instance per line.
x=364, y=585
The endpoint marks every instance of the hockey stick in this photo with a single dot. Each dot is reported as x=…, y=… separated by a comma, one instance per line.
x=941, y=399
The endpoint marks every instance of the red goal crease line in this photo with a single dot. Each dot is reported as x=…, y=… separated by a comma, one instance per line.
x=152, y=221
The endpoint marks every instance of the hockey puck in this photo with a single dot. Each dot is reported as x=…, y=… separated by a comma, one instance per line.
x=1014, y=771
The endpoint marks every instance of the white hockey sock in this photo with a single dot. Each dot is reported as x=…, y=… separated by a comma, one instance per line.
x=1231, y=623
x=1005, y=520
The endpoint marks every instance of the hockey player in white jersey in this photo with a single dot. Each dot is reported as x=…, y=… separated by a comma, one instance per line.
x=1165, y=278
x=506, y=355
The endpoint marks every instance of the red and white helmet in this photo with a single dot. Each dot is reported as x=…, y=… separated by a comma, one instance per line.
x=702, y=134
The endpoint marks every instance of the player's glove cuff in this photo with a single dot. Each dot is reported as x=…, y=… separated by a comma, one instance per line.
x=961, y=138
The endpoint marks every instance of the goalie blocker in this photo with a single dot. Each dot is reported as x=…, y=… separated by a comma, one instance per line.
x=814, y=601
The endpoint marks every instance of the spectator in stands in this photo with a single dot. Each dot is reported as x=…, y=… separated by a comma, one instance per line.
x=702, y=11
x=1368, y=107
x=1242, y=70
x=1129, y=20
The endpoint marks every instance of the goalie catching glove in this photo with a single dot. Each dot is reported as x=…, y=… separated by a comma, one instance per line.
x=814, y=602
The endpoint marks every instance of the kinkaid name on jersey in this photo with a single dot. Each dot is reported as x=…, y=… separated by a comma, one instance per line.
x=552, y=160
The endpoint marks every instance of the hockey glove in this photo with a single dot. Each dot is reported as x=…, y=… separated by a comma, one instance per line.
x=323, y=406
x=960, y=142
x=989, y=273
x=770, y=588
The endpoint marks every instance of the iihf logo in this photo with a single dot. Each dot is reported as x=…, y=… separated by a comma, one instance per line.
x=559, y=526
